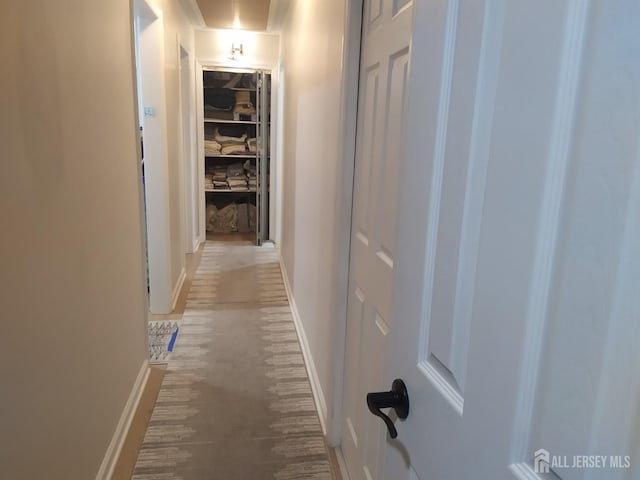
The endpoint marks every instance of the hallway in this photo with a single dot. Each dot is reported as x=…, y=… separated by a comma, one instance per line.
x=77, y=265
x=235, y=402
x=453, y=196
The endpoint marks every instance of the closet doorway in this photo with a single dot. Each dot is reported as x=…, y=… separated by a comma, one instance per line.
x=236, y=155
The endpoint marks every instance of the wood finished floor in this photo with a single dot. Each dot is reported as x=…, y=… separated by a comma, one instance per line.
x=131, y=447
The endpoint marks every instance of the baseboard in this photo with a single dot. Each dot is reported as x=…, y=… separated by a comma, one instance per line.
x=342, y=464
x=196, y=244
x=178, y=288
x=316, y=388
x=115, y=446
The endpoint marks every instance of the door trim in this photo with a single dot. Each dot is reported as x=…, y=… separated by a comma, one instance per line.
x=188, y=168
x=347, y=146
x=151, y=91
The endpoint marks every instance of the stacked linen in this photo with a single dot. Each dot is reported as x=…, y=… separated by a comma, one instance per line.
x=211, y=146
x=233, y=149
x=219, y=178
x=243, y=106
x=238, y=184
x=232, y=139
x=208, y=181
x=252, y=141
x=216, y=178
x=252, y=145
x=236, y=178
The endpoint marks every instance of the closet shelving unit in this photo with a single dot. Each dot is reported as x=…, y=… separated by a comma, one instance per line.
x=236, y=120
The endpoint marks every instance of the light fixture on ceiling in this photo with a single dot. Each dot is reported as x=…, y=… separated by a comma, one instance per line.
x=236, y=50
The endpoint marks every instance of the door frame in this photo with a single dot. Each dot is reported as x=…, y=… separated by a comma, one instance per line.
x=188, y=153
x=202, y=63
x=150, y=78
x=347, y=146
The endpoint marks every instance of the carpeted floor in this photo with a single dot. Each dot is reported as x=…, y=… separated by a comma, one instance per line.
x=235, y=403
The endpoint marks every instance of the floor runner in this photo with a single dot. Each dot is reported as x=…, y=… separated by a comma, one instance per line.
x=235, y=403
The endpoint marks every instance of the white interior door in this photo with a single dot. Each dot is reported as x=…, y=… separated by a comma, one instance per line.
x=514, y=321
x=384, y=68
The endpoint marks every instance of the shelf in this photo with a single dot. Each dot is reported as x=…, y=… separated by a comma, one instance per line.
x=237, y=89
x=232, y=156
x=244, y=122
x=228, y=191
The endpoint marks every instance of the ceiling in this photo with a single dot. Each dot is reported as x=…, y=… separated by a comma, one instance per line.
x=238, y=14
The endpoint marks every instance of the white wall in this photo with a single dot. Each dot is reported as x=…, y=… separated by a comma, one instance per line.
x=314, y=204
x=177, y=28
x=160, y=42
x=260, y=49
x=71, y=276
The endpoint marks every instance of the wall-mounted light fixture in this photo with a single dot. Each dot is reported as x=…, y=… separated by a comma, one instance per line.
x=236, y=51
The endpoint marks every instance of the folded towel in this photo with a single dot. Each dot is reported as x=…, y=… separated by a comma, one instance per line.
x=233, y=149
x=211, y=147
x=243, y=97
x=244, y=108
x=230, y=140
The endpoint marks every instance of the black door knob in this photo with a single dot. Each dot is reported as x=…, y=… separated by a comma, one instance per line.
x=397, y=399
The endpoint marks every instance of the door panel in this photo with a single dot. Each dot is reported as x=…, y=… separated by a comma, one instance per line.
x=468, y=341
x=362, y=214
x=379, y=150
x=438, y=249
x=456, y=198
x=579, y=401
x=389, y=168
x=375, y=13
x=370, y=332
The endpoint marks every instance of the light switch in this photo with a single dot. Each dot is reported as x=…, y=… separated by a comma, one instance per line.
x=149, y=112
